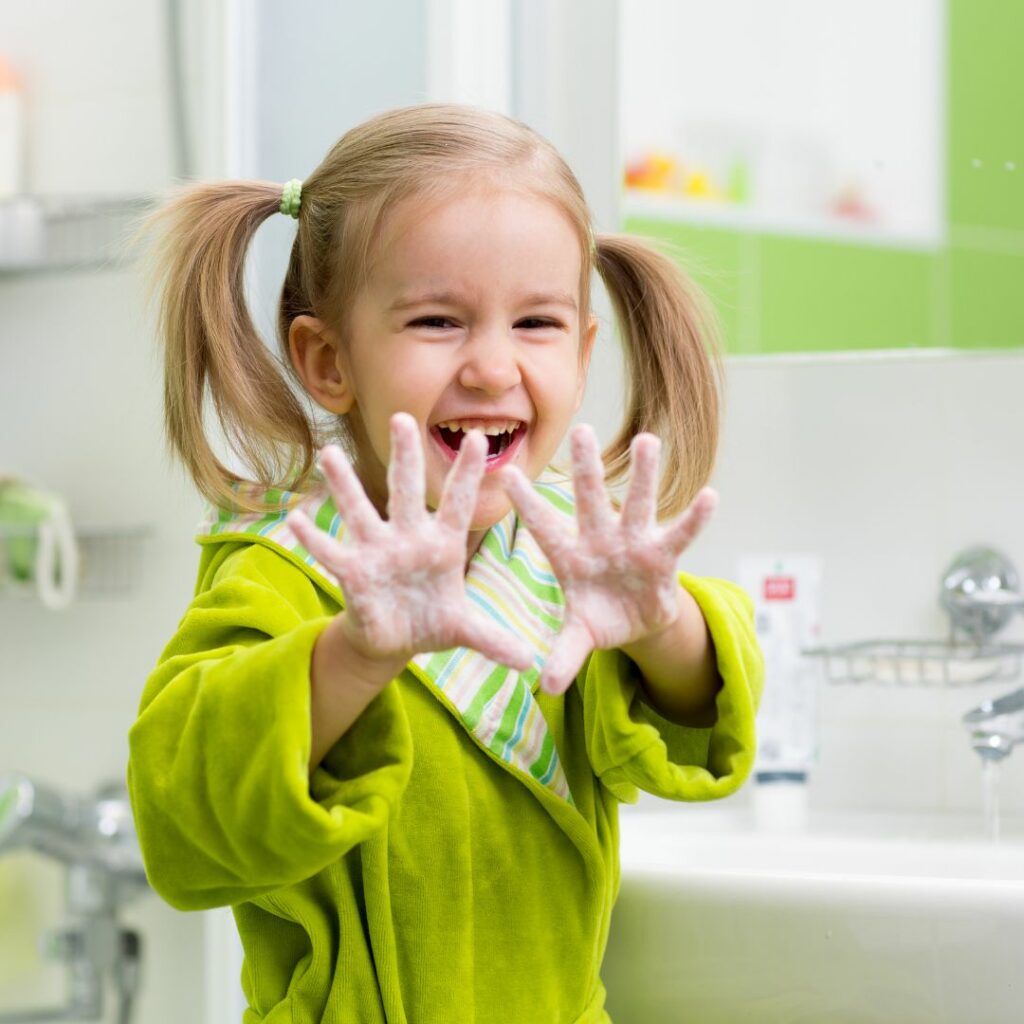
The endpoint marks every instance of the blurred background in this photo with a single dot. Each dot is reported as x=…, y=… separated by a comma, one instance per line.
x=845, y=180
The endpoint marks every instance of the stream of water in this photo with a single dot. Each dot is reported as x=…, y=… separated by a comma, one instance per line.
x=990, y=796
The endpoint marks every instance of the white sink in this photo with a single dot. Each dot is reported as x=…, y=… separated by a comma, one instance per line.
x=868, y=919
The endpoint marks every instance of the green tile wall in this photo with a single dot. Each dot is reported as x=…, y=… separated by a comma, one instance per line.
x=790, y=294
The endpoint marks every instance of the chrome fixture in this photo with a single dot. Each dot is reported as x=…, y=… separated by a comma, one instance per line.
x=95, y=837
x=997, y=726
x=981, y=591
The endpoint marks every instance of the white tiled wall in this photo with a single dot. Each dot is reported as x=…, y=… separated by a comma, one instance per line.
x=885, y=467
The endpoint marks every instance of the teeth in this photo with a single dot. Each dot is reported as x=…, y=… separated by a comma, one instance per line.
x=491, y=429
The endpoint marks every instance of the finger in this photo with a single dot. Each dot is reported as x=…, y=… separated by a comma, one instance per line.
x=406, y=503
x=359, y=514
x=681, y=533
x=638, y=508
x=482, y=634
x=593, y=509
x=540, y=518
x=570, y=650
x=458, y=498
x=322, y=546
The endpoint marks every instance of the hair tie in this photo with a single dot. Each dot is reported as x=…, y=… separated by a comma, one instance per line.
x=291, y=197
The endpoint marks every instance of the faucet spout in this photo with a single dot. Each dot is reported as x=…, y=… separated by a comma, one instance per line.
x=996, y=726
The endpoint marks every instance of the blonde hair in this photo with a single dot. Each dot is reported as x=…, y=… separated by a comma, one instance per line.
x=201, y=235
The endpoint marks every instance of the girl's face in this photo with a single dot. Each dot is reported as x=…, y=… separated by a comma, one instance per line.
x=471, y=315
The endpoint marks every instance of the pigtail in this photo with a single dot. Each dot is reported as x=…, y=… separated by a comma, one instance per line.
x=202, y=236
x=672, y=344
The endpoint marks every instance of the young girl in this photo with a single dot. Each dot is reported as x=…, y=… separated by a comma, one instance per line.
x=394, y=725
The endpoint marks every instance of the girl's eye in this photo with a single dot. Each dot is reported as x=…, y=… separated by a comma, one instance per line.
x=442, y=322
x=432, y=321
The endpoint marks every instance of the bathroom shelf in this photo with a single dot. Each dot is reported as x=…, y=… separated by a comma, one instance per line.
x=110, y=561
x=745, y=217
x=919, y=662
x=43, y=234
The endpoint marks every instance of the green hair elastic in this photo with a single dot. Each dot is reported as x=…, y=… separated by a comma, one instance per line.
x=291, y=197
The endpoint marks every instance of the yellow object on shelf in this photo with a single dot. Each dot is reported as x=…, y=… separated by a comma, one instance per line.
x=700, y=186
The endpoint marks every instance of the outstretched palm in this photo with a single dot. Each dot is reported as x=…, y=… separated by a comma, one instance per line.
x=618, y=575
x=403, y=579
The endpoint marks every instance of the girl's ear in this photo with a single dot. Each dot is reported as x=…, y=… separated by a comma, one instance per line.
x=586, y=349
x=318, y=358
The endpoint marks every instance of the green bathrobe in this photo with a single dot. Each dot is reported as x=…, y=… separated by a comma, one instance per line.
x=454, y=857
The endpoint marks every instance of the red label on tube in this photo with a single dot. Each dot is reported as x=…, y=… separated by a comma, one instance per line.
x=779, y=588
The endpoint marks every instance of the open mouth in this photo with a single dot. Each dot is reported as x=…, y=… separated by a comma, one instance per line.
x=500, y=447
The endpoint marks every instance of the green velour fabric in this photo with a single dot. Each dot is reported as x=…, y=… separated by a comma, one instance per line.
x=415, y=877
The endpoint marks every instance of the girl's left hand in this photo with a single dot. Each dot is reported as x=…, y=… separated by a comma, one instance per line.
x=619, y=574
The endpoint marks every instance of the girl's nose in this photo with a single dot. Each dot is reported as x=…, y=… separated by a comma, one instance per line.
x=490, y=363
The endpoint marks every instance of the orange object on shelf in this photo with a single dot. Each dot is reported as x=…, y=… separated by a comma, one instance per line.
x=654, y=171
x=664, y=173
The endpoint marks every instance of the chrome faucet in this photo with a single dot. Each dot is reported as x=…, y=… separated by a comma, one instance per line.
x=981, y=590
x=997, y=726
x=95, y=838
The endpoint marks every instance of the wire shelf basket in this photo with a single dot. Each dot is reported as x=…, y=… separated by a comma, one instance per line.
x=980, y=591
x=56, y=234
x=111, y=561
x=919, y=662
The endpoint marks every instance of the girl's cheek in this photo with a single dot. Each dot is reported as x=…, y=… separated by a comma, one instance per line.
x=421, y=373
x=564, y=354
x=553, y=373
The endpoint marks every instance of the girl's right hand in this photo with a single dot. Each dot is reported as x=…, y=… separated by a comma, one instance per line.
x=404, y=578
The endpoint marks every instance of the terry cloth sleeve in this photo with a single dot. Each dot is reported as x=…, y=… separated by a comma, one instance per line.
x=632, y=747
x=218, y=774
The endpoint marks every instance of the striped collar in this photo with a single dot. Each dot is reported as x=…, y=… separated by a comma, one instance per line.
x=509, y=578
